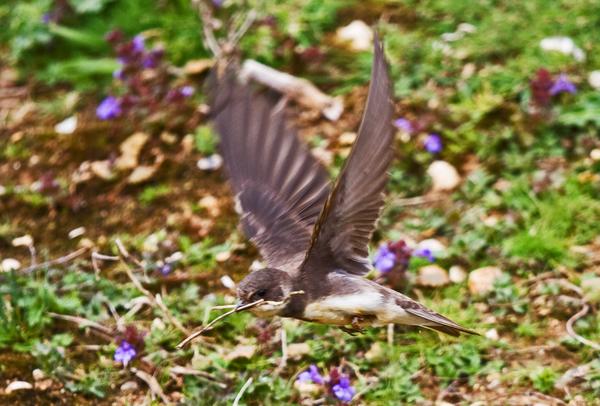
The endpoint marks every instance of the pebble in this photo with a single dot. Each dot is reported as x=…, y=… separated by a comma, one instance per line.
x=67, y=126
x=23, y=241
x=141, y=174
x=130, y=151
x=594, y=79
x=457, y=274
x=492, y=334
x=210, y=163
x=76, y=232
x=102, y=169
x=358, y=34
x=595, y=154
x=227, y=282
x=211, y=205
x=432, y=275
x=38, y=374
x=129, y=386
x=481, y=280
x=564, y=45
x=347, y=138
x=9, y=264
x=444, y=176
x=17, y=385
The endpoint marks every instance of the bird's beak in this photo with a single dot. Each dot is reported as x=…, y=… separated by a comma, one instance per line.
x=243, y=306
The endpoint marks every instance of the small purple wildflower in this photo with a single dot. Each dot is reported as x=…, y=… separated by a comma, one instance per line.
x=218, y=3
x=404, y=125
x=343, y=390
x=124, y=353
x=138, y=43
x=311, y=375
x=109, y=108
x=384, y=259
x=46, y=18
x=562, y=85
x=165, y=269
x=433, y=143
x=187, y=91
x=424, y=253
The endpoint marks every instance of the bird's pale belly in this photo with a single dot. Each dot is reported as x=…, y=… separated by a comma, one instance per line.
x=365, y=308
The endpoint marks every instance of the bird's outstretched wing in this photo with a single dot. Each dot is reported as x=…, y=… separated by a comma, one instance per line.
x=279, y=187
x=342, y=233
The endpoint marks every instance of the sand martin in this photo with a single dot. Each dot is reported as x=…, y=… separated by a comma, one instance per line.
x=313, y=235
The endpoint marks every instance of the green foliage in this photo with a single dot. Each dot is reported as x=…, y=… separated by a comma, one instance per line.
x=152, y=193
x=205, y=140
x=543, y=379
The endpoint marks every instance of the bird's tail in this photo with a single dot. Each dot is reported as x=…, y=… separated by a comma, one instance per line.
x=436, y=321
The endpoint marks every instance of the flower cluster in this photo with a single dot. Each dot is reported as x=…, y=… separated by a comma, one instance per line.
x=543, y=87
x=392, y=255
x=131, y=342
x=144, y=84
x=432, y=142
x=336, y=384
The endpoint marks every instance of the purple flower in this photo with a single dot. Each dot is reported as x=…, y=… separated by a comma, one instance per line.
x=311, y=375
x=563, y=85
x=138, y=43
x=109, y=108
x=118, y=74
x=424, y=253
x=433, y=143
x=218, y=3
x=187, y=91
x=165, y=269
x=404, y=125
x=343, y=390
x=124, y=353
x=384, y=259
x=46, y=18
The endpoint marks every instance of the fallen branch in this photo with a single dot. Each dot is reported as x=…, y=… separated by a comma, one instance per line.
x=238, y=397
x=179, y=370
x=152, y=384
x=295, y=88
x=571, y=331
x=57, y=261
x=82, y=322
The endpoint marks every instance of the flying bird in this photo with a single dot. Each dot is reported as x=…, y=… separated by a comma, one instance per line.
x=313, y=235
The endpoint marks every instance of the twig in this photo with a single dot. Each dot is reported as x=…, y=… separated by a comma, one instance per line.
x=390, y=334
x=235, y=36
x=97, y=256
x=574, y=335
x=284, y=352
x=82, y=322
x=207, y=27
x=198, y=333
x=155, y=300
x=57, y=261
x=418, y=200
x=152, y=384
x=179, y=370
x=238, y=397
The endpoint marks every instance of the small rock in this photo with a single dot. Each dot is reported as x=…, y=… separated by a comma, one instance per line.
x=228, y=282
x=241, y=351
x=347, y=138
x=17, y=385
x=197, y=66
x=211, y=205
x=595, y=154
x=437, y=248
x=130, y=151
x=76, y=232
x=457, y=274
x=168, y=138
x=129, y=387
x=432, y=275
x=492, y=334
x=481, y=281
x=2, y=190
x=23, y=241
x=142, y=174
x=358, y=34
x=223, y=256
x=210, y=163
x=44, y=384
x=38, y=374
x=9, y=264
x=594, y=79
x=298, y=350
x=67, y=126
x=564, y=45
x=102, y=169
x=444, y=176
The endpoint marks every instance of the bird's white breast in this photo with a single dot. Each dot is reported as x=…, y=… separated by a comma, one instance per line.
x=341, y=309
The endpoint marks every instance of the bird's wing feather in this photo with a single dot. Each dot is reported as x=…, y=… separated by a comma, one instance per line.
x=280, y=187
x=343, y=231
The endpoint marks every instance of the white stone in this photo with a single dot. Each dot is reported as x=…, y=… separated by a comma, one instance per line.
x=437, y=248
x=223, y=256
x=444, y=176
x=2, y=190
x=358, y=34
x=130, y=151
x=210, y=204
x=76, y=232
x=481, y=280
x=9, y=264
x=129, y=387
x=142, y=174
x=347, y=138
x=102, y=169
x=17, y=385
x=228, y=282
x=492, y=334
x=594, y=79
x=466, y=28
x=67, y=126
x=23, y=241
x=457, y=274
x=432, y=275
x=210, y=163
x=564, y=45
x=595, y=154
x=38, y=374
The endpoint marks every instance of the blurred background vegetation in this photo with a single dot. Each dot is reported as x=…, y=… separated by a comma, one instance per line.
x=103, y=135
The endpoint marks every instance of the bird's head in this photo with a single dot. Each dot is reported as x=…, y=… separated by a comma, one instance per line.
x=269, y=284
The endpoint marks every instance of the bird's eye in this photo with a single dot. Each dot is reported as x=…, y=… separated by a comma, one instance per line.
x=260, y=293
